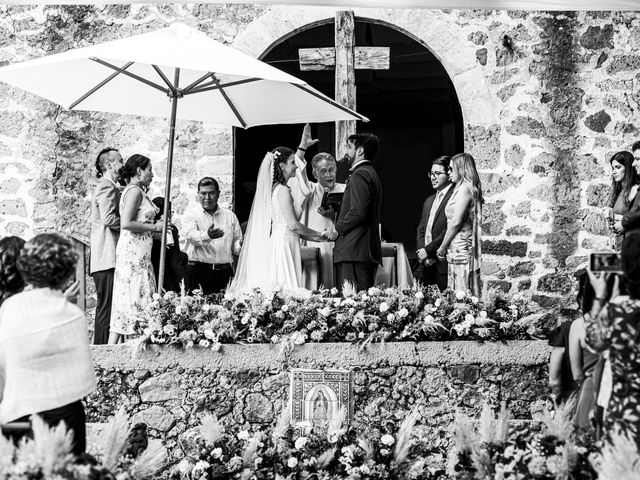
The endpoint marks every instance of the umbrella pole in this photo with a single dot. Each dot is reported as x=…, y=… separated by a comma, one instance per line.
x=167, y=188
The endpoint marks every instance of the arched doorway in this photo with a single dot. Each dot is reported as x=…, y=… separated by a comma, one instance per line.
x=413, y=108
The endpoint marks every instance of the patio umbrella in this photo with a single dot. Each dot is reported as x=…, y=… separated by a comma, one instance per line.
x=149, y=74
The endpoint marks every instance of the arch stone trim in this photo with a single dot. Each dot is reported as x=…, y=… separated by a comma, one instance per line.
x=447, y=42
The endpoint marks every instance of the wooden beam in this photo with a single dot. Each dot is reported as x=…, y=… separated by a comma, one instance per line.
x=345, y=76
x=365, y=58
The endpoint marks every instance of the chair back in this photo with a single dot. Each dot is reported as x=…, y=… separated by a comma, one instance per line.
x=312, y=254
x=390, y=250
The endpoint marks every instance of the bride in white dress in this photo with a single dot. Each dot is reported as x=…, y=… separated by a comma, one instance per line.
x=270, y=257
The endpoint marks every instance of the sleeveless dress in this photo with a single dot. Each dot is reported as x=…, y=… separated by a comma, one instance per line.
x=463, y=249
x=619, y=209
x=284, y=249
x=133, y=282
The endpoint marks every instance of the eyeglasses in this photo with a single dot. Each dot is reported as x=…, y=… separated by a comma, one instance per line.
x=435, y=174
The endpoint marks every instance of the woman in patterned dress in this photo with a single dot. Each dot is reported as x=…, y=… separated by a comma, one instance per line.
x=615, y=326
x=134, y=282
x=461, y=243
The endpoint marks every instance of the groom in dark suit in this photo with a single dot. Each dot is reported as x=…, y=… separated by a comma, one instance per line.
x=357, y=252
x=433, y=225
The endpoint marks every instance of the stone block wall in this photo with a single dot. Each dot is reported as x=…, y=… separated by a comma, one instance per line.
x=248, y=385
x=546, y=97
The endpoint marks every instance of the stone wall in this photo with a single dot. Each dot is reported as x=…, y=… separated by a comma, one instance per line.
x=543, y=111
x=247, y=385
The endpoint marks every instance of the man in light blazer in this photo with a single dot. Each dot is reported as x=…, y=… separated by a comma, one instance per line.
x=433, y=225
x=105, y=231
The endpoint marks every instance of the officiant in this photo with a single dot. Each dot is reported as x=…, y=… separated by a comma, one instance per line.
x=316, y=204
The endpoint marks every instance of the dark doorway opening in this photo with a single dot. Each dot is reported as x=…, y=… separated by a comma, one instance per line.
x=412, y=107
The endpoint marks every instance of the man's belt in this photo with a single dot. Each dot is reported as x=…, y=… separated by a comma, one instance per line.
x=212, y=266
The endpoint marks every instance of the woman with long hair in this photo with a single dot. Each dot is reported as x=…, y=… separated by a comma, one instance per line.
x=134, y=282
x=270, y=256
x=461, y=243
x=10, y=279
x=624, y=186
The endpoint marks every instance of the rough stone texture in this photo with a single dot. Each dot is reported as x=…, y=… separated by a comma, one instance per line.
x=541, y=121
x=598, y=195
x=248, y=385
x=493, y=218
x=502, y=247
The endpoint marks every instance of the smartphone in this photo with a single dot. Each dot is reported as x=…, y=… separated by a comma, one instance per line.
x=609, y=262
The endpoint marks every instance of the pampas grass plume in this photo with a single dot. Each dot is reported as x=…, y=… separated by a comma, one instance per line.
x=151, y=461
x=211, y=429
x=249, y=454
x=367, y=448
x=52, y=446
x=325, y=459
x=465, y=436
x=618, y=460
x=559, y=424
x=282, y=425
x=487, y=424
x=403, y=439
x=114, y=439
x=335, y=428
x=7, y=453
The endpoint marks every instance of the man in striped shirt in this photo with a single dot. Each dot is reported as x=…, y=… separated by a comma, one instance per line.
x=212, y=235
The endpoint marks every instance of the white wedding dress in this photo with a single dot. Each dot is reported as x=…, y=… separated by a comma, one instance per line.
x=270, y=257
x=284, y=249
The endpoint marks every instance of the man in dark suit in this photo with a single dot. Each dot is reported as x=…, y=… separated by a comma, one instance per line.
x=433, y=225
x=357, y=252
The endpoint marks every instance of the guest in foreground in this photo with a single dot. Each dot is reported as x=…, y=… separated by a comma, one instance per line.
x=615, y=327
x=631, y=219
x=309, y=196
x=433, y=225
x=45, y=359
x=176, y=261
x=10, y=279
x=134, y=282
x=270, y=256
x=561, y=380
x=461, y=243
x=624, y=187
x=213, y=237
x=583, y=358
x=105, y=231
x=358, y=251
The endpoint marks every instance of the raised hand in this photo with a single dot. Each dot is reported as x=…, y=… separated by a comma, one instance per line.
x=306, y=140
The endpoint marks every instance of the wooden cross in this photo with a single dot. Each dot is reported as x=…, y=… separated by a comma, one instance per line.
x=345, y=58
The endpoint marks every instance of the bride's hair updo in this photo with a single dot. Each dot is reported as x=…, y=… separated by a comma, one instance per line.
x=130, y=168
x=280, y=157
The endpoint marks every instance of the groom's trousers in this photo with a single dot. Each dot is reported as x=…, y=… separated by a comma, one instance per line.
x=361, y=274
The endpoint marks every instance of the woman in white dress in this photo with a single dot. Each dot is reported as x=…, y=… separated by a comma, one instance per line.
x=270, y=256
x=134, y=282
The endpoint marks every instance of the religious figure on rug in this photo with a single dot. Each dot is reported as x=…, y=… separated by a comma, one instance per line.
x=270, y=256
x=318, y=203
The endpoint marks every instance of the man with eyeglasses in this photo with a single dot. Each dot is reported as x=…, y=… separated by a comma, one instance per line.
x=631, y=220
x=433, y=225
x=212, y=236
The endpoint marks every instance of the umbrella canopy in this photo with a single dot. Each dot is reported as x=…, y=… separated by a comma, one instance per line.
x=134, y=75
x=150, y=74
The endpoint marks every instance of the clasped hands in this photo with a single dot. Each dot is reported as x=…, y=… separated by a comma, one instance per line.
x=424, y=257
x=330, y=234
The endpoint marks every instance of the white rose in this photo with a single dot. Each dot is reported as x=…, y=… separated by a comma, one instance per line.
x=428, y=318
x=482, y=314
x=325, y=312
x=364, y=469
x=300, y=442
x=437, y=303
x=469, y=318
x=204, y=343
x=334, y=291
x=285, y=308
x=391, y=317
x=156, y=296
x=403, y=312
x=474, y=299
x=216, y=452
x=179, y=309
x=292, y=462
x=419, y=295
x=460, y=294
x=387, y=440
x=243, y=435
x=384, y=307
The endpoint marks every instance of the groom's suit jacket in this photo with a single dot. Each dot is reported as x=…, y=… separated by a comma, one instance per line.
x=359, y=218
x=105, y=225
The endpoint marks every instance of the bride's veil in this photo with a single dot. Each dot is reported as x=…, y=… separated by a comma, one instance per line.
x=253, y=264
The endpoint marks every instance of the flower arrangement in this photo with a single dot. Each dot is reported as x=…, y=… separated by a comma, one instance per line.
x=294, y=318
x=492, y=452
x=287, y=453
x=126, y=454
